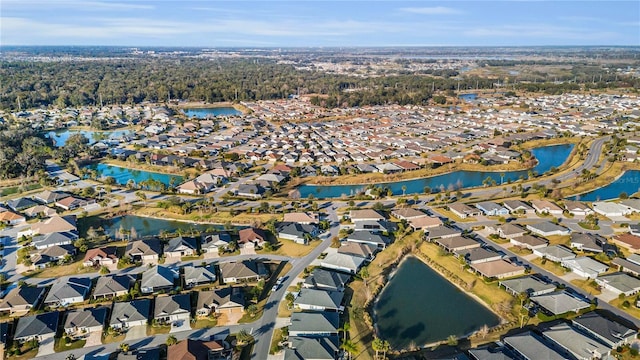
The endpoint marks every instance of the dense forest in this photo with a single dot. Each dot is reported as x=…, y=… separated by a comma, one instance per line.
x=129, y=81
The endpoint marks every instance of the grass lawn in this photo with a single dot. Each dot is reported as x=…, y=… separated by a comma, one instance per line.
x=631, y=309
x=555, y=268
x=559, y=240
x=202, y=323
x=290, y=248
x=449, y=215
x=588, y=226
x=191, y=258
x=278, y=336
x=111, y=338
x=158, y=329
x=59, y=345
x=27, y=355
x=283, y=309
x=520, y=250
x=587, y=285
x=247, y=318
x=65, y=270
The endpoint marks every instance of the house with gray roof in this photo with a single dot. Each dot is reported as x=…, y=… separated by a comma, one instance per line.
x=529, y=242
x=180, y=246
x=296, y=232
x=201, y=275
x=529, y=285
x=215, y=242
x=157, y=278
x=490, y=208
x=627, y=266
x=509, y=231
x=619, y=283
x=561, y=302
x=320, y=348
x=327, y=280
x=68, y=291
x=529, y=346
x=547, y=228
x=365, y=251
x=42, y=242
x=37, y=327
x=608, y=331
x=82, y=322
x=585, y=267
x=556, y=253
x=125, y=315
x=464, y=211
x=342, y=262
x=368, y=237
x=314, y=324
x=440, y=232
x=517, y=206
x=478, y=255
x=587, y=242
x=318, y=300
x=108, y=287
x=21, y=204
x=22, y=299
x=145, y=251
x=491, y=353
x=228, y=300
x=242, y=271
x=457, y=243
x=577, y=344
x=169, y=309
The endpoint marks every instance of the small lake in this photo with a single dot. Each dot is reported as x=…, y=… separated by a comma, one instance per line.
x=123, y=175
x=420, y=306
x=203, y=113
x=468, y=97
x=60, y=137
x=628, y=183
x=144, y=226
x=548, y=157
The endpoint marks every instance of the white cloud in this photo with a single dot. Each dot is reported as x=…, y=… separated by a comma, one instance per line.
x=435, y=10
x=82, y=5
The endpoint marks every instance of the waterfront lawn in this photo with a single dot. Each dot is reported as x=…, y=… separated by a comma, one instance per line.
x=551, y=266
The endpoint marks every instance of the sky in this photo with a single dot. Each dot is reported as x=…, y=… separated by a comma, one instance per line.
x=300, y=23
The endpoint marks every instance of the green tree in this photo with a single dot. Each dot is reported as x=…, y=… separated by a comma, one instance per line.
x=171, y=340
x=350, y=348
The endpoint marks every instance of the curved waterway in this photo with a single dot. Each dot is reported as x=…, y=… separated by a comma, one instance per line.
x=628, y=183
x=419, y=306
x=548, y=157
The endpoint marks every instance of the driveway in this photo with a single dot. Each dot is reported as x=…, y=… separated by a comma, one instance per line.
x=607, y=295
x=94, y=339
x=180, y=325
x=247, y=251
x=136, y=332
x=45, y=348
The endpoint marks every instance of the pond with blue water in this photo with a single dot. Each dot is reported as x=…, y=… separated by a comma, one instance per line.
x=202, y=113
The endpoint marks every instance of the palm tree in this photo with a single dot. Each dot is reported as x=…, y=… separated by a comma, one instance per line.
x=345, y=329
x=243, y=336
x=385, y=347
x=404, y=189
x=377, y=345
x=124, y=347
x=350, y=347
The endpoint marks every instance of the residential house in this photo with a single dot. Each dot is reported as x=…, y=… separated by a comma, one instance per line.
x=365, y=251
x=530, y=285
x=228, y=300
x=587, y=242
x=172, y=309
x=528, y=346
x=103, y=256
x=180, y=246
x=577, y=208
x=55, y=224
x=49, y=197
x=242, y=271
x=298, y=233
x=342, y=262
x=319, y=348
x=64, y=292
x=408, y=213
x=626, y=240
x=125, y=315
x=157, y=278
x=610, y=209
x=252, y=191
x=424, y=223
x=215, y=242
x=306, y=218
x=249, y=238
x=529, y=242
x=318, y=300
x=365, y=215
x=52, y=255
x=42, y=242
x=72, y=203
x=20, y=300
x=585, y=267
x=20, y=204
x=11, y=218
x=195, y=276
x=326, y=280
x=442, y=232
x=314, y=324
x=82, y=322
x=547, y=228
x=478, y=255
x=577, y=344
x=40, y=327
x=555, y=253
x=510, y=231
x=463, y=211
x=517, y=206
x=190, y=349
x=370, y=238
x=561, y=302
x=109, y=287
x=608, y=331
x=145, y=251
x=490, y=208
x=619, y=283
x=41, y=211
x=498, y=269
x=457, y=243
x=546, y=207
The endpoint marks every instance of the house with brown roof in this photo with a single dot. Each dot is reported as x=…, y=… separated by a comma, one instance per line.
x=52, y=225
x=72, y=203
x=189, y=349
x=498, y=269
x=228, y=300
x=440, y=159
x=103, y=256
x=407, y=213
x=631, y=242
x=365, y=215
x=464, y=211
x=20, y=300
x=529, y=242
x=251, y=237
x=546, y=207
x=425, y=222
x=11, y=218
x=302, y=217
